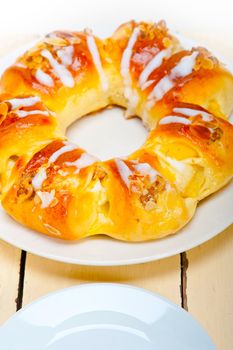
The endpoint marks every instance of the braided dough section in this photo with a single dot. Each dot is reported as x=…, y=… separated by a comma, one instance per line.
x=183, y=98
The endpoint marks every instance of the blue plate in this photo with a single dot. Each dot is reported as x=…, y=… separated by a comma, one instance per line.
x=103, y=317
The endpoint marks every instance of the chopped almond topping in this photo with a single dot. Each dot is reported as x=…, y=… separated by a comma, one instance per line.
x=216, y=134
x=25, y=190
x=55, y=41
x=149, y=193
x=166, y=42
x=99, y=173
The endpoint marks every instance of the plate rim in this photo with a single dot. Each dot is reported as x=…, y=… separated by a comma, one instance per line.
x=116, y=285
x=123, y=262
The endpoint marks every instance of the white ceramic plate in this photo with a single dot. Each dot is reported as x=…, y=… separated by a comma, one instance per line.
x=103, y=317
x=93, y=133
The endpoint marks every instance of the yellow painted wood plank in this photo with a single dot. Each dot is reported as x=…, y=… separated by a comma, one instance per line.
x=43, y=276
x=210, y=287
x=9, y=278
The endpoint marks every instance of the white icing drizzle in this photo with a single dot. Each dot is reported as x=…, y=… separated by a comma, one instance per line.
x=146, y=169
x=23, y=114
x=44, y=78
x=161, y=88
x=129, y=94
x=185, y=66
x=125, y=61
x=154, y=63
x=41, y=175
x=207, y=117
x=66, y=55
x=83, y=161
x=170, y=119
x=23, y=102
x=96, y=59
x=182, y=69
x=39, y=178
x=46, y=198
x=59, y=69
x=147, y=84
x=64, y=149
x=123, y=170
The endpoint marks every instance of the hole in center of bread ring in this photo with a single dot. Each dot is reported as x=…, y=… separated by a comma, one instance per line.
x=108, y=134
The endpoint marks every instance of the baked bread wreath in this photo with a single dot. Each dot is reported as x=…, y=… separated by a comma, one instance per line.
x=182, y=96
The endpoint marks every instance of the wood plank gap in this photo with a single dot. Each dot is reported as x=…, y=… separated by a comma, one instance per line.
x=183, y=280
x=19, y=299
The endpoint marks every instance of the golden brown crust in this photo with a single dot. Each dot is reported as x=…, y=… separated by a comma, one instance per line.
x=209, y=84
x=97, y=199
x=182, y=96
x=196, y=156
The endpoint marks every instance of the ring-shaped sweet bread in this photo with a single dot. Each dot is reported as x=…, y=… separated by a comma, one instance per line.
x=182, y=96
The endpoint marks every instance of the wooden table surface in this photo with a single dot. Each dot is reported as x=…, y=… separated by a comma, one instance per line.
x=201, y=280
